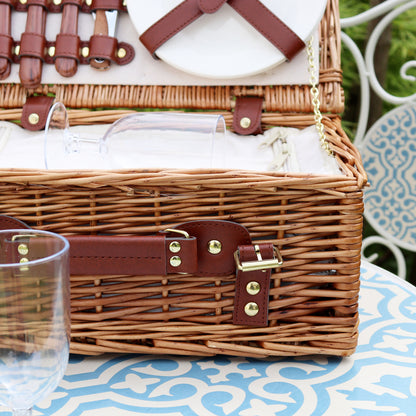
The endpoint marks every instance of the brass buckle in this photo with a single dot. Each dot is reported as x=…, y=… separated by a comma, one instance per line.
x=259, y=264
x=174, y=230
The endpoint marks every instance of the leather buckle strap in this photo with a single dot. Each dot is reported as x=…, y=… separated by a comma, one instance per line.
x=254, y=265
x=202, y=248
x=259, y=16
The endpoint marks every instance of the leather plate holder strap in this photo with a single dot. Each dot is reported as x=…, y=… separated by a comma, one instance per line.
x=200, y=248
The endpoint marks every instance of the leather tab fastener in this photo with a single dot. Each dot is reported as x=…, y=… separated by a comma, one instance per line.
x=247, y=115
x=35, y=112
x=251, y=302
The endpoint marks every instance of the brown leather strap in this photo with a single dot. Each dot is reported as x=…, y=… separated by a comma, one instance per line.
x=32, y=45
x=259, y=16
x=6, y=41
x=166, y=253
x=107, y=5
x=35, y=112
x=67, y=41
x=251, y=302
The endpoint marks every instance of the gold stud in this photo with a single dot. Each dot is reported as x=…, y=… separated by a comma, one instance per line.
x=245, y=122
x=24, y=260
x=251, y=309
x=34, y=118
x=88, y=2
x=214, y=247
x=22, y=1
x=57, y=2
x=51, y=51
x=23, y=249
x=17, y=50
x=175, y=261
x=85, y=51
x=121, y=53
x=253, y=288
x=175, y=247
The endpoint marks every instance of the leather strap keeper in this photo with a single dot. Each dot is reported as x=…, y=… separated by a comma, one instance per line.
x=32, y=45
x=251, y=304
x=102, y=47
x=107, y=5
x=67, y=46
x=6, y=47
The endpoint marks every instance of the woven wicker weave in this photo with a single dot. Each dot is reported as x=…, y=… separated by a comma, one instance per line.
x=316, y=221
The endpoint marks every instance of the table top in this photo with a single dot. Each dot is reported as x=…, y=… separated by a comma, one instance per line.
x=379, y=379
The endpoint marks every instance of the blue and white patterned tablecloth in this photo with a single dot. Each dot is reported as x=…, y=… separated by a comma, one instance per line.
x=379, y=379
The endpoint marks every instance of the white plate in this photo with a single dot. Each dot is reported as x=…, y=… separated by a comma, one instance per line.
x=224, y=44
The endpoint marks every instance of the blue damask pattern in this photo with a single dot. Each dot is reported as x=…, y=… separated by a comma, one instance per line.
x=389, y=156
x=379, y=379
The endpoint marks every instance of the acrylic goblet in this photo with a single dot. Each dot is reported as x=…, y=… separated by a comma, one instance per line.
x=34, y=316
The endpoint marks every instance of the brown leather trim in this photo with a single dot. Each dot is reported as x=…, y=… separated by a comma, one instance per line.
x=67, y=46
x=170, y=24
x=6, y=47
x=247, y=115
x=270, y=26
x=144, y=255
x=32, y=45
x=261, y=277
x=39, y=105
x=102, y=47
x=77, y=3
x=259, y=16
x=43, y=3
x=210, y=6
x=107, y=5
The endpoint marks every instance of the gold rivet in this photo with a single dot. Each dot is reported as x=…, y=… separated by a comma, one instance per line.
x=175, y=261
x=88, y=2
x=23, y=1
x=214, y=247
x=51, y=51
x=23, y=249
x=57, y=2
x=253, y=288
x=85, y=51
x=175, y=247
x=245, y=122
x=34, y=118
x=121, y=53
x=124, y=3
x=251, y=309
x=24, y=260
x=17, y=50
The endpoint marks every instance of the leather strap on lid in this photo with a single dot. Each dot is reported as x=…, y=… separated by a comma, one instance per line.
x=259, y=16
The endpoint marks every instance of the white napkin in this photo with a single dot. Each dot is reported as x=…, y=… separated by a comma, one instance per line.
x=281, y=149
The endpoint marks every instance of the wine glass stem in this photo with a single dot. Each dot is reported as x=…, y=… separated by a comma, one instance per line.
x=22, y=412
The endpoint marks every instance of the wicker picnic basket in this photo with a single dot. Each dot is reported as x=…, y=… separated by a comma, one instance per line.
x=315, y=221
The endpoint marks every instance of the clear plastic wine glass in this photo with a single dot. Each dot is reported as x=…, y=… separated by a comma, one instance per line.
x=34, y=316
x=139, y=140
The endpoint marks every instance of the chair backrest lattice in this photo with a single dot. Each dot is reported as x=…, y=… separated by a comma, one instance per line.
x=388, y=148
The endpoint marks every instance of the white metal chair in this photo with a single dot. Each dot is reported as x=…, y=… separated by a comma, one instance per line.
x=388, y=148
